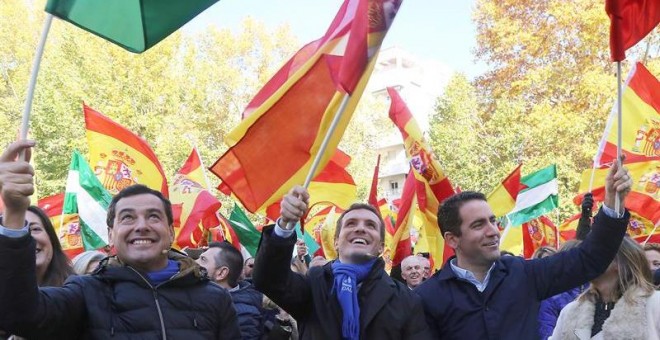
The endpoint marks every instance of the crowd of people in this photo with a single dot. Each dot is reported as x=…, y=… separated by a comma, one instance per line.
x=598, y=286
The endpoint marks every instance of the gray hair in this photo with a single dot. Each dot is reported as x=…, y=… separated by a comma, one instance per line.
x=82, y=260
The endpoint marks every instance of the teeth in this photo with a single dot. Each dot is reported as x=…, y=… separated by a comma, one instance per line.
x=142, y=242
x=360, y=241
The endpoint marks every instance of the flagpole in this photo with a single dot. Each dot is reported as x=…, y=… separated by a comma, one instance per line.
x=591, y=180
x=324, y=145
x=617, y=204
x=655, y=227
x=27, y=108
x=557, y=230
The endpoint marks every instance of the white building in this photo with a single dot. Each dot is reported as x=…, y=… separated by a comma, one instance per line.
x=420, y=83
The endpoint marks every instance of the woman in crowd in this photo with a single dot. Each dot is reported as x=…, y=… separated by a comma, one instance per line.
x=619, y=304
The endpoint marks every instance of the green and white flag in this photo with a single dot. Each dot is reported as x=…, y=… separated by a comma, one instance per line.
x=539, y=197
x=87, y=197
x=245, y=230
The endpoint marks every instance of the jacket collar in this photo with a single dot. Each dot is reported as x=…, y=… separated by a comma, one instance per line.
x=497, y=274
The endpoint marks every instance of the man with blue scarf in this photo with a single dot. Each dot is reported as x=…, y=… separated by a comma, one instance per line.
x=351, y=297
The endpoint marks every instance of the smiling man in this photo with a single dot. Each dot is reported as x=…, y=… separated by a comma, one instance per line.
x=146, y=291
x=412, y=270
x=480, y=295
x=351, y=297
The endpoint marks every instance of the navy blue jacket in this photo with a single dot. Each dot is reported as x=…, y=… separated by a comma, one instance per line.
x=115, y=302
x=550, y=309
x=248, y=302
x=508, y=307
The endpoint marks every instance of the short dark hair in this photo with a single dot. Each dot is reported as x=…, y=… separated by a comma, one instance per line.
x=59, y=267
x=229, y=257
x=359, y=206
x=449, y=217
x=138, y=189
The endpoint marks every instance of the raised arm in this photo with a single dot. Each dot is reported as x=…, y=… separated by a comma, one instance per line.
x=272, y=273
x=566, y=270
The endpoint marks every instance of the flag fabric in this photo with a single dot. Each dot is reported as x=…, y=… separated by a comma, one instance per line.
x=430, y=183
x=539, y=197
x=291, y=114
x=119, y=157
x=400, y=246
x=334, y=186
x=198, y=207
x=323, y=224
x=644, y=197
x=85, y=196
x=511, y=240
x=630, y=22
x=248, y=235
x=503, y=198
x=373, y=193
x=67, y=227
x=537, y=233
x=135, y=25
x=568, y=229
x=640, y=138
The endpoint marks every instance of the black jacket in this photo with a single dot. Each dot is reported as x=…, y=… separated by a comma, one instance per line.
x=115, y=302
x=388, y=309
x=508, y=307
x=248, y=302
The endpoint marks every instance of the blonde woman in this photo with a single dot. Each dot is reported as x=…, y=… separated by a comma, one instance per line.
x=619, y=304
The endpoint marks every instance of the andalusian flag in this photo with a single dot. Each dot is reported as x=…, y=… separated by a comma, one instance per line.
x=66, y=226
x=135, y=25
x=245, y=230
x=503, y=199
x=539, y=198
x=431, y=186
x=119, y=157
x=86, y=197
x=198, y=207
x=640, y=140
x=274, y=147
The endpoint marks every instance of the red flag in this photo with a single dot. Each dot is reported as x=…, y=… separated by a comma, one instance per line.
x=537, y=233
x=290, y=116
x=66, y=226
x=631, y=21
x=400, y=248
x=373, y=199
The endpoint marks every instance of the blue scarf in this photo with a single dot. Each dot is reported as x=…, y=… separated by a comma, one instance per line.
x=347, y=276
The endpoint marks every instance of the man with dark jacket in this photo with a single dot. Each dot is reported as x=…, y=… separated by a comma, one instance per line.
x=224, y=265
x=478, y=295
x=146, y=291
x=349, y=298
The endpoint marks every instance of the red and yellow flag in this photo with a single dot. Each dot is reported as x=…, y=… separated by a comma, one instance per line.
x=643, y=199
x=400, y=245
x=568, y=229
x=538, y=232
x=640, y=140
x=66, y=226
x=503, y=199
x=273, y=148
x=431, y=184
x=120, y=158
x=631, y=21
x=198, y=205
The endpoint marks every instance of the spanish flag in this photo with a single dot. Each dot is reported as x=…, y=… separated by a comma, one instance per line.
x=274, y=147
x=503, y=199
x=198, y=205
x=118, y=157
x=537, y=233
x=431, y=184
x=640, y=140
x=66, y=226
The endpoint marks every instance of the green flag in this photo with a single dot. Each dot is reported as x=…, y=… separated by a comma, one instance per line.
x=539, y=197
x=135, y=25
x=310, y=242
x=87, y=197
x=245, y=230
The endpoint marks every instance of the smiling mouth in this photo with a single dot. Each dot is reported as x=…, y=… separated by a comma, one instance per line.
x=492, y=244
x=360, y=241
x=141, y=242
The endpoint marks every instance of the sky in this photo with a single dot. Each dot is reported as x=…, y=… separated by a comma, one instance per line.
x=437, y=30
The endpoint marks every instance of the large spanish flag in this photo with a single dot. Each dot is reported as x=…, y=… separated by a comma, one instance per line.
x=273, y=148
x=640, y=138
x=66, y=226
x=118, y=157
x=431, y=185
x=198, y=205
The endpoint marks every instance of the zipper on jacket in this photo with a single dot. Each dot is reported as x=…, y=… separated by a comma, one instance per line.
x=160, y=312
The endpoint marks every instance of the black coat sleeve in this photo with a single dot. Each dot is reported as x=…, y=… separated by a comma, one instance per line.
x=273, y=276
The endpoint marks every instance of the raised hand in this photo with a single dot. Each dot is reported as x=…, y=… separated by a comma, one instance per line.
x=293, y=207
x=16, y=183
